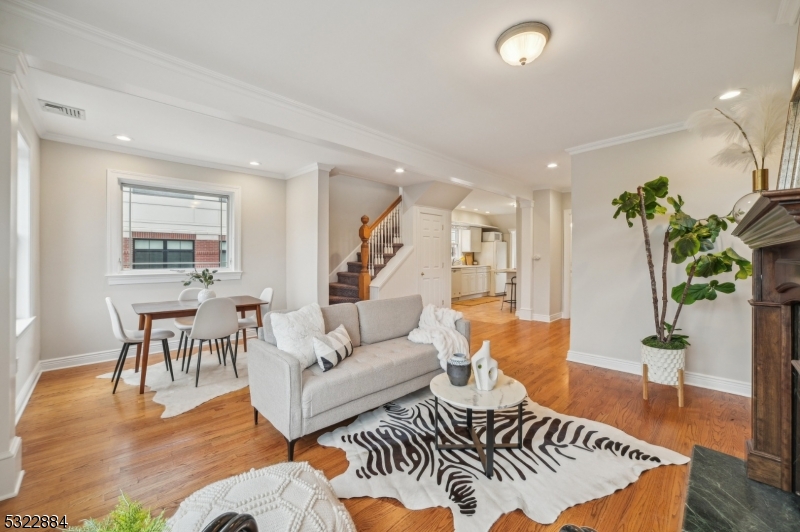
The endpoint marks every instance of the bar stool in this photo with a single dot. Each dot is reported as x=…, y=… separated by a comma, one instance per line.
x=511, y=292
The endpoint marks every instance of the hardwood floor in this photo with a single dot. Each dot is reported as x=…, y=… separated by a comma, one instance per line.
x=82, y=446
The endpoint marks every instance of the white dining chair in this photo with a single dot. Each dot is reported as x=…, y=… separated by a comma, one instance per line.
x=129, y=338
x=252, y=322
x=184, y=325
x=215, y=320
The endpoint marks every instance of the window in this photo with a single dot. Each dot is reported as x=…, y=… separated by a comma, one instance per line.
x=160, y=228
x=23, y=289
x=223, y=254
x=172, y=229
x=162, y=254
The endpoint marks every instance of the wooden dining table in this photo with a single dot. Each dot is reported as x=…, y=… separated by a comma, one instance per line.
x=162, y=310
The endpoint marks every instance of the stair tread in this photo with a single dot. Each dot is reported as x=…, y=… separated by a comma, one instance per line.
x=333, y=300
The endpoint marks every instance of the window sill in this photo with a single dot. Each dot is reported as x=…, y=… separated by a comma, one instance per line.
x=23, y=324
x=164, y=277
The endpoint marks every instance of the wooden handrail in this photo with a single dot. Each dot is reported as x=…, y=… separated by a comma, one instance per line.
x=385, y=213
x=364, y=278
x=364, y=233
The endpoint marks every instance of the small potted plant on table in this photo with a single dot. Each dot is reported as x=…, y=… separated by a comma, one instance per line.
x=205, y=277
x=685, y=239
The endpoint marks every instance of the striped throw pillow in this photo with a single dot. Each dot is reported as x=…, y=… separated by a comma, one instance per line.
x=332, y=348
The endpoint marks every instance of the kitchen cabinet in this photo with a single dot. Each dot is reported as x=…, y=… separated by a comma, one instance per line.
x=470, y=281
x=455, y=283
x=470, y=239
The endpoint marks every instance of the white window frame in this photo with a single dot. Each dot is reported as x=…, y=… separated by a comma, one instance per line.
x=24, y=284
x=114, y=181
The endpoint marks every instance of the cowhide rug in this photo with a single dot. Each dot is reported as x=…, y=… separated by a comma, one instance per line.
x=564, y=461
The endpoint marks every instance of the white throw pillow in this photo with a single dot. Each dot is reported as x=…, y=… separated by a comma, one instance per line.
x=333, y=348
x=295, y=331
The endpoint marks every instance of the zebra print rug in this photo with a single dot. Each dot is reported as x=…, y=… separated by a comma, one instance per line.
x=564, y=461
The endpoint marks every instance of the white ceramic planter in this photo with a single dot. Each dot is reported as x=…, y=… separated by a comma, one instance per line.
x=663, y=364
x=205, y=294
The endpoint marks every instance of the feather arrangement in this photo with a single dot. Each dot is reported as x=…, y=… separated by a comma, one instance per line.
x=752, y=129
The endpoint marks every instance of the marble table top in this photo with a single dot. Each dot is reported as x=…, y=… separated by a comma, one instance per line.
x=507, y=393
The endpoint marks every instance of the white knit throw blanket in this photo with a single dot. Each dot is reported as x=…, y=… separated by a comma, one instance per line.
x=437, y=326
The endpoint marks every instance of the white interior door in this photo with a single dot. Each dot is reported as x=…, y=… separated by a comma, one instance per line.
x=432, y=258
x=566, y=301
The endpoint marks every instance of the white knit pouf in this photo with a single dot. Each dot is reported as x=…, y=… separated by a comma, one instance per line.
x=663, y=364
x=287, y=497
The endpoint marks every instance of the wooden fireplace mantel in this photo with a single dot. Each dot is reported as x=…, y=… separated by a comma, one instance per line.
x=772, y=230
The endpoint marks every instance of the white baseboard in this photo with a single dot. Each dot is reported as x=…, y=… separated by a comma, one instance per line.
x=547, y=318
x=529, y=315
x=700, y=380
x=24, y=394
x=10, y=462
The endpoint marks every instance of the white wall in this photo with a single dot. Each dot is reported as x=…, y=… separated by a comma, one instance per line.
x=350, y=199
x=28, y=343
x=547, y=250
x=611, y=303
x=307, y=233
x=73, y=244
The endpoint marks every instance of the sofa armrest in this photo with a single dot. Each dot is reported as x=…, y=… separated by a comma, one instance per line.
x=276, y=387
x=465, y=328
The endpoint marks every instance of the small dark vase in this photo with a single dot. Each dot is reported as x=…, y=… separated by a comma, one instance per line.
x=459, y=369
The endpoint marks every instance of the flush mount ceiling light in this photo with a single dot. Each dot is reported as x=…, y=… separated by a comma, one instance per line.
x=124, y=138
x=521, y=44
x=255, y=163
x=552, y=165
x=730, y=94
x=399, y=170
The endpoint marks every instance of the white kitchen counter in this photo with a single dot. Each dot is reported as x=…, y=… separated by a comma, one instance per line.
x=468, y=266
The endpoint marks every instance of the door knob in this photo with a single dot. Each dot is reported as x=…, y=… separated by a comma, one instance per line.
x=423, y=273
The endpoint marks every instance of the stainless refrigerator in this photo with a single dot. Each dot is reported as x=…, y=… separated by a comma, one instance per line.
x=495, y=254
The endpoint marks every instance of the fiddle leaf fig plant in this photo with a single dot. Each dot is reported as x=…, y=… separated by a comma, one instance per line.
x=686, y=240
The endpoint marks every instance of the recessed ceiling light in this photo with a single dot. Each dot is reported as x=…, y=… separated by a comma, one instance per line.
x=463, y=206
x=552, y=165
x=255, y=163
x=730, y=94
x=399, y=170
x=474, y=209
x=125, y=138
x=487, y=212
x=521, y=44
x=513, y=204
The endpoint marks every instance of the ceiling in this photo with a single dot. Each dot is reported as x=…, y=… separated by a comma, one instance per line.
x=487, y=203
x=423, y=74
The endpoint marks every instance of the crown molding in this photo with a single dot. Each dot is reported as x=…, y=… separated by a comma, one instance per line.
x=313, y=167
x=82, y=30
x=788, y=12
x=66, y=139
x=630, y=137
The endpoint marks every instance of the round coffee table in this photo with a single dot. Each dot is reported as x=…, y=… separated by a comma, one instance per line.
x=507, y=393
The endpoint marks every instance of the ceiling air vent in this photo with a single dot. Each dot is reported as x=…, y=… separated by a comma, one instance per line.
x=64, y=110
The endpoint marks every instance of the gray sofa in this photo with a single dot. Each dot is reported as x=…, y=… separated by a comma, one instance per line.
x=384, y=366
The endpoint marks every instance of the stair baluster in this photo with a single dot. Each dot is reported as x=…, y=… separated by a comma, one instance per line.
x=379, y=242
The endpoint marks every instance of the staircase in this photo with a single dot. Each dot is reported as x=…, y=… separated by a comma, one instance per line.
x=381, y=241
x=346, y=290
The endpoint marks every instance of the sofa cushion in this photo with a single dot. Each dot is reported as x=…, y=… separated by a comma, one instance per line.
x=385, y=319
x=265, y=333
x=343, y=314
x=371, y=368
x=295, y=332
x=333, y=348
